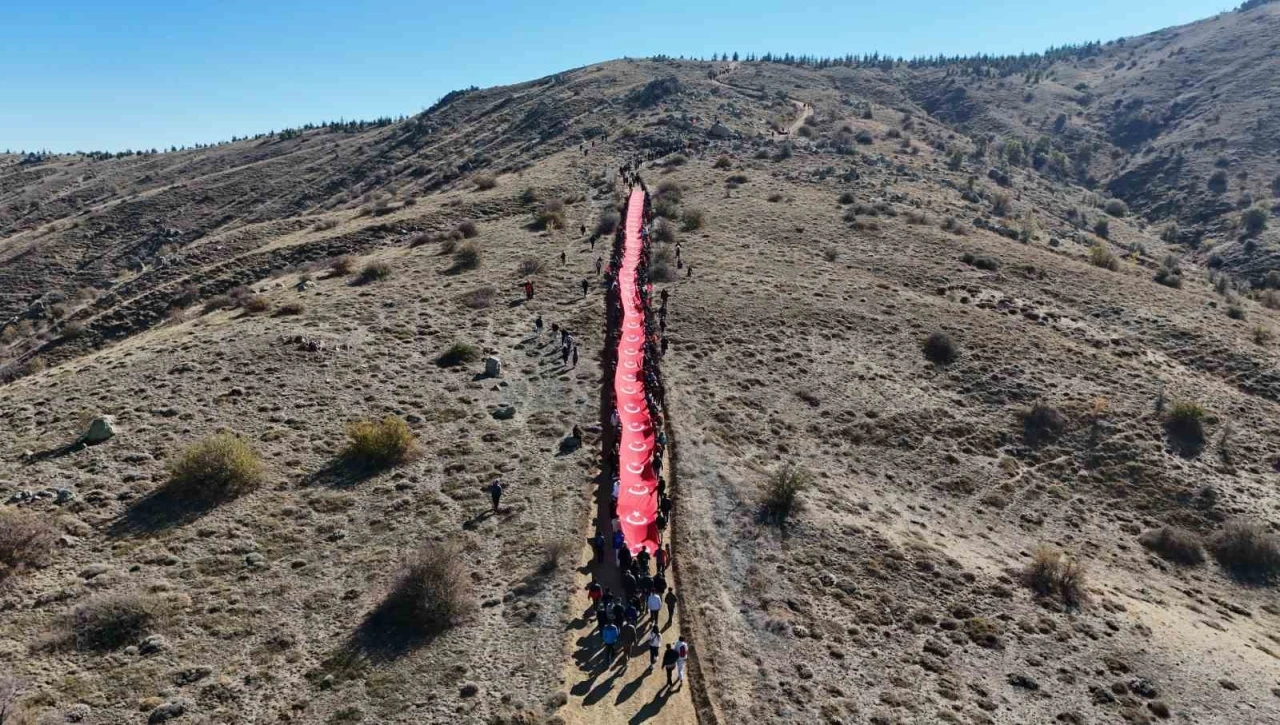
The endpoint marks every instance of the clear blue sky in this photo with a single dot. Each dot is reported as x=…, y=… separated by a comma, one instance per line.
x=99, y=75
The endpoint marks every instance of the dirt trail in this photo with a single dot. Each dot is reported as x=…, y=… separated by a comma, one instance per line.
x=628, y=690
x=805, y=110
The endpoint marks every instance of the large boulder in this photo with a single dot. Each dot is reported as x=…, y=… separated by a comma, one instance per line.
x=493, y=367
x=101, y=429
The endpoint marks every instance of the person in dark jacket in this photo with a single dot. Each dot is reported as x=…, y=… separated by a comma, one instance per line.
x=669, y=659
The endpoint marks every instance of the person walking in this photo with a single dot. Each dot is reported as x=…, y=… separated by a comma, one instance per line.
x=655, y=646
x=574, y=357
x=563, y=260
x=660, y=584
x=627, y=641
x=609, y=635
x=619, y=543
x=682, y=659
x=594, y=592
x=597, y=546
x=495, y=493
x=661, y=558
x=671, y=606
x=528, y=289
x=669, y=659
x=599, y=264
x=655, y=607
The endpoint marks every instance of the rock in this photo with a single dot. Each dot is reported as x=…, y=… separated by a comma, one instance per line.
x=255, y=561
x=152, y=644
x=469, y=689
x=506, y=411
x=168, y=711
x=1101, y=695
x=77, y=712
x=101, y=429
x=63, y=495
x=191, y=674
x=804, y=671
x=19, y=497
x=94, y=570
x=492, y=367
x=1228, y=685
x=326, y=683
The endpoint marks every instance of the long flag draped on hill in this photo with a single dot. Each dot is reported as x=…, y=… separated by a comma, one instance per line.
x=638, y=487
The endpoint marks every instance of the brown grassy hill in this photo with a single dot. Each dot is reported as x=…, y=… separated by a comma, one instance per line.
x=1090, y=381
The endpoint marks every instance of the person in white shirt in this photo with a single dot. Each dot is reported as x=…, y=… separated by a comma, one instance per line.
x=682, y=656
x=655, y=607
x=655, y=645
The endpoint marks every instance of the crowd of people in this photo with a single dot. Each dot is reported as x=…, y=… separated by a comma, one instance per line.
x=628, y=620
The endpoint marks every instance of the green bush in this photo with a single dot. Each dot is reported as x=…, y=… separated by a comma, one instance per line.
x=1254, y=220
x=781, y=496
x=1116, y=208
x=380, y=444
x=1102, y=227
x=218, y=468
x=1100, y=256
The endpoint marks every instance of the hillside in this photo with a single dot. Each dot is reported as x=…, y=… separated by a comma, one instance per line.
x=1103, y=367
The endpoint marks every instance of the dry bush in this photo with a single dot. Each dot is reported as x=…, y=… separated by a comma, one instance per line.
x=666, y=208
x=607, y=223
x=448, y=245
x=291, y=309
x=342, y=266
x=1042, y=423
x=218, y=468
x=555, y=553
x=459, y=353
x=1235, y=311
x=431, y=594
x=529, y=266
x=255, y=305
x=917, y=217
x=1248, y=551
x=1051, y=573
x=781, y=495
x=981, y=261
x=662, y=266
x=468, y=229
x=324, y=225
x=1174, y=544
x=25, y=541
x=693, y=220
x=479, y=298
x=846, y=197
x=374, y=272
x=738, y=179
x=724, y=162
x=1100, y=256
x=1001, y=204
x=550, y=215
x=466, y=256
x=380, y=444
x=939, y=348
x=111, y=621
x=484, y=182
x=664, y=232
x=830, y=254
x=951, y=224
x=73, y=329
x=776, y=197
x=1116, y=208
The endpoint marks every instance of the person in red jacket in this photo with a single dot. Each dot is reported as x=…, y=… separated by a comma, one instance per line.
x=528, y=289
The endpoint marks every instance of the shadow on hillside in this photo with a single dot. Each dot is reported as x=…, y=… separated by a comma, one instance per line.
x=340, y=473
x=58, y=452
x=159, y=510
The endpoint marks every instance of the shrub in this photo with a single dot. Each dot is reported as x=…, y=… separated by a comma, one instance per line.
x=781, y=496
x=864, y=137
x=449, y=244
x=529, y=266
x=830, y=254
x=692, y=220
x=73, y=330
x=666, y=208
x=1254, y=220
x=479, y=298
x=607, y=223
x=1170, y=272
x=724, y=162
x=951, y=224
x=917, y=217
x=1102, y=227
x=431, y=593
x=1262, y=335
x=1116, y=208
x=255, y=305
x=1185, y=423
x=940, y=349
x=1042, y=423
x=1100, y=256
x=846, y=197
x=484, y=182
x=550, y=215
x=459, y=353
x=555, y=553
x=1248, y=551
x=218, y=468
x=468, y=229
x=380, y=444
x=737, y=179
x=112, y=621
x=25, y=541
x=776, y=197
x=1174, y=544
x=671, y=191
x=981, y=261
x=324, y=225
x=466, y=256
x=1051, y=573
x=342, y=266
x=663, y=266
x=374, y=272
x=1235, y=311
x=664, y=231
x=1001, y=204
x=290, y=309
